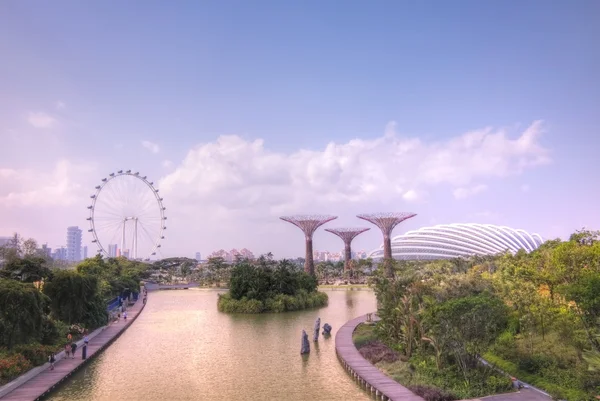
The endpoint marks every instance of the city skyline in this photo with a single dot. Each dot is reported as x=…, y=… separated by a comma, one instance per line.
x=442, y=111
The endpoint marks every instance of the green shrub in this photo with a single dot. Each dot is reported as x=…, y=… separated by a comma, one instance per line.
x=36, y=354
x=12, y=366
x=278, y=303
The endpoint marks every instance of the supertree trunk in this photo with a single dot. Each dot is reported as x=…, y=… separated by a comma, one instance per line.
x=347, y=257
x=309, y=263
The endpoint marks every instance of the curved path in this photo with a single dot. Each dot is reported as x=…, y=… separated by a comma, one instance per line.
x=39, y=381
x=363, y=371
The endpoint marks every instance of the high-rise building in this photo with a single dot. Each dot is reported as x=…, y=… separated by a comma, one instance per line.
x=60, y=253
x=84, y=250
x=73, y=244
x=112, y=250
x=198, y=256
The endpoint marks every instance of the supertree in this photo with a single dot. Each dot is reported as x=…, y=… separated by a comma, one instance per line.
x=386, y=223
x=347, y=235
x=308, y=224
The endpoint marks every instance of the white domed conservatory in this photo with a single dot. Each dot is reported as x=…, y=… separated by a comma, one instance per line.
x=448, y=241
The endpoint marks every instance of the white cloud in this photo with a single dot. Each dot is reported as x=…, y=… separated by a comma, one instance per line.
x=411, y=195
x=462, y=193
x=238, y=176
x=59, y=187
x=41, y=119
x=167, y=163
x=60, y=105
x=525, y=188
x=151, y=146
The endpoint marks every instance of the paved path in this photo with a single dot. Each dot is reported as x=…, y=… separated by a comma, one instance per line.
x=48, y=379
x=363, y=371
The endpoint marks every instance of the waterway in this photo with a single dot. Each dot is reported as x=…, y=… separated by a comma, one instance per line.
x=182, y=348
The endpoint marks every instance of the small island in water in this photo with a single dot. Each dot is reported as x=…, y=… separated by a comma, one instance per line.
x=265, y=285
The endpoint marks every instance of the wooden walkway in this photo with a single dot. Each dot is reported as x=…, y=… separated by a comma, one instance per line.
x=42, y=384
x=367, y=375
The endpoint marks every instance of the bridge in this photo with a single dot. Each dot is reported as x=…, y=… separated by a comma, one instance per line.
x=158, y=286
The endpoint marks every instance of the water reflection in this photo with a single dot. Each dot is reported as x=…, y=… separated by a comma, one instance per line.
x=182, y=348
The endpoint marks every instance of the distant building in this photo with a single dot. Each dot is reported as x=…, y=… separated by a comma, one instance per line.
x=45, y=250
x=112, y=250
x=84, y=251
x=60, y=253
x=73, y=244
x=198, y=256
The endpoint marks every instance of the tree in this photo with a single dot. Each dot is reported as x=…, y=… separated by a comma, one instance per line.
x=29, y=269
x=21, y=311
x=29, y=247
x=75, y=298
x=465, y=327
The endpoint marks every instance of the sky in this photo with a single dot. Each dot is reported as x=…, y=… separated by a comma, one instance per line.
x=241, y=112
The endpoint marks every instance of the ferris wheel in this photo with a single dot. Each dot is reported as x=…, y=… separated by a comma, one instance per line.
x=127, y=216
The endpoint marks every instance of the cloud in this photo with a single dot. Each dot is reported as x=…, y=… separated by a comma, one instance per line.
x=167, y=163
x=239, y=176
x=151, y=146
x=41, y=119
x=462, y=193
x=411, y=195
x=58, y=187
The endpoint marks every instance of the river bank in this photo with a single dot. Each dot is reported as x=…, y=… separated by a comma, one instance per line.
x=40, y=381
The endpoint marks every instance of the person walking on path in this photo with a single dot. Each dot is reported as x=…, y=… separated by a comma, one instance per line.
x=69, y=337
x=125, y=316
x=52, y=359
x=67, y=350
x=73, y=349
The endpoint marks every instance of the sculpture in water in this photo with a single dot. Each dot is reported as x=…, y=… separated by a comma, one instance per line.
x=305, y=344
x=317, y=329
x=326, y=329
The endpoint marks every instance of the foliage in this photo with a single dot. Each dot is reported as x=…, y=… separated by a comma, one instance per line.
x=277, y=304
x=36, y=354
x=12, y=366
x=28, y=269
x=265, y=279
x=75, y=298
x=21, y=312
x=431, y=393
x=115, y=275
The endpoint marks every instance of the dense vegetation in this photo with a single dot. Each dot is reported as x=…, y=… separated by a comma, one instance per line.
x=536, y=316
x=265, y=285
x=40, y=303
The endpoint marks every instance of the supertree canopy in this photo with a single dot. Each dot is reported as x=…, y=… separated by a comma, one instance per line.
x=308, y=224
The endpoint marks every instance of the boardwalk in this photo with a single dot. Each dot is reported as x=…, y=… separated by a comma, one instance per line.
x=363, y=371
x=48, y=379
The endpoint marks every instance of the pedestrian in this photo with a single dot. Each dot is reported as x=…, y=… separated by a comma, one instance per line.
x=125, y=316
x=118, y=317
x=67, y=350
x=52, y=359
x=73, y=349
x=86, y=339
x=69, y=337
